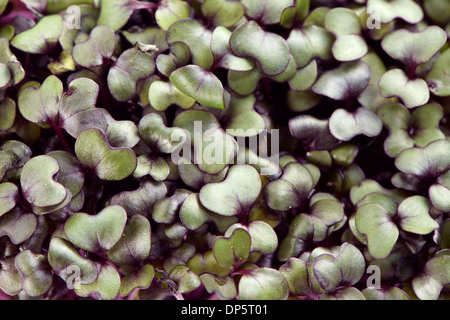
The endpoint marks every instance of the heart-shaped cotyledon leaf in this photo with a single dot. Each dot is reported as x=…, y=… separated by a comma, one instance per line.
x=313, y=133
x=96, y=233
x=235, y=195
x=266, y=11
x=68, y=263
x=415, y=47
x=345, y=125
x=136, y=278
x=179, y=56
x=201, y=85
x=310, y=42
x=73, y=110
x=196, y=36
x=171, y=11
x=94, y=151
x=230, y=252
x=376, y=224
x=270, y=50
x=409, y=129
x=159, y=137
x=135, y=244
x=414, y=217
x=428, y=162
x=291, y=189
x=214, y=149
x=221, y=51
x=301, y=231
x=141, y=200
x=35, y=271
x=10, y=278
x=115, y=13
x=345, y=82
x=439, y=192
x=7, y=113
x=263, y=284
x=264, y=240
x=350, y=264
x=132, y=66
x=433, y=278
x=223, y=13
x=105, y=287
x=41, y=38
x=38, y=185
x=194, y=215
x=162, y=95
x=413, y=92
x=387, y=11
x=97, y=49
x=17, y=225
x=438, y=79
x=9, y=194
x=345, y=25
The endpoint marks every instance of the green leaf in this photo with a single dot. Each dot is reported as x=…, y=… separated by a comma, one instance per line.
x=214, y=149
x=345, y=25
x=65, y=259
x=375, y=223
x=121, y=133
x=301, y=230
x=38, y=186
x=270, y=50
x=47, y=96
x=141, y=278
x=346, y=81
x=310, y=42
x=296, y=274
x=243, y=120
x=131, y=66
x=423, y=162
x=222, y=12
x=96, y=233
x=199, y=84
x=414, y=216
x=42, y=37
x=291, y=190
x=345, y=125
x=179, y=56
x=429, y=283
x=106, y=286
x=185, y=279
x=438, y=79
x=94, y=151
x=164, y=94
x=115, y=13
x=235, y=195
x=35, y=271
x=97, y=49
x=224, y=287
x=17, y=225
x=9, y=194
x=439, y=192
x=196, y=36
x=171, y=11
x=134, y=246
x=141, y=200
x=10, y=279
x=406, y=10
x=263, y=284
x=222, y=53
x=266, y=11
x=263, y=238
x=194, y=215
x=413, y=92
x=414, y=48
x=230, y=252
